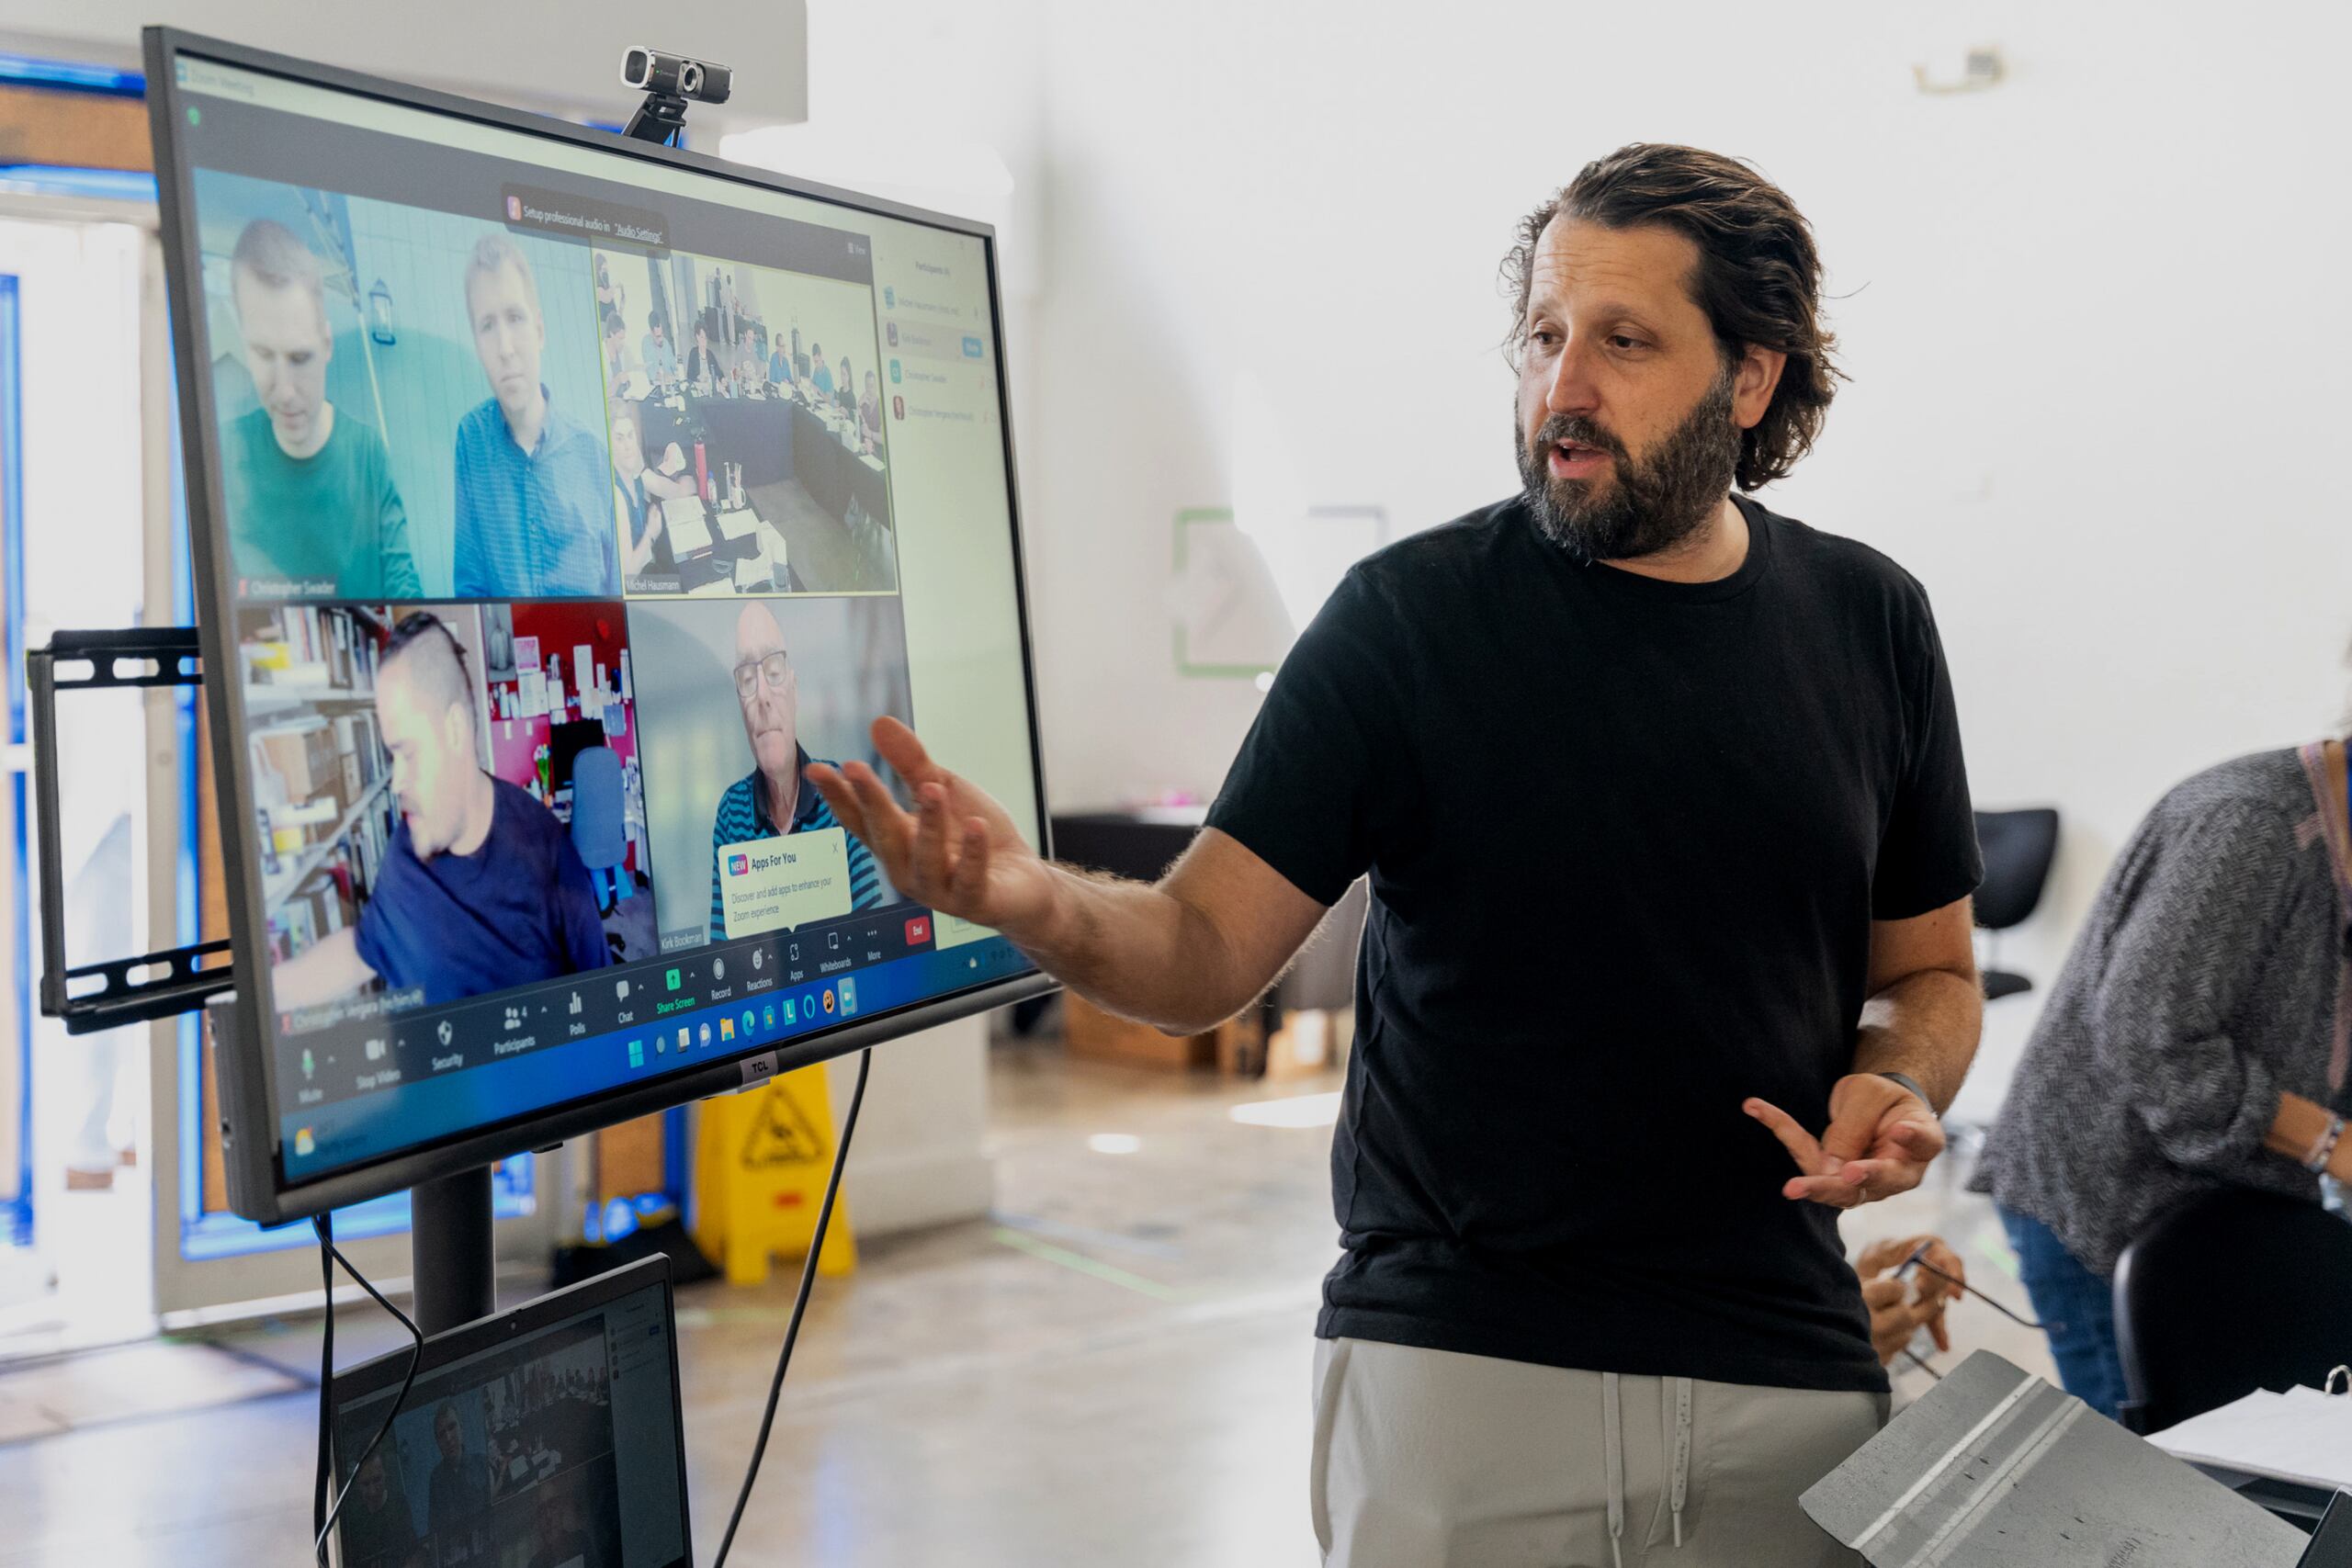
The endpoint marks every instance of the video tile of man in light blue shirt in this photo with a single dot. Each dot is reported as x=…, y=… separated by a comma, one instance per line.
x=533, y=513
x=779, y=364
x=661, y=358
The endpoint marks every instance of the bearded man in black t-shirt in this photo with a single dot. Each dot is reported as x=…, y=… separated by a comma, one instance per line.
x=1670, y=849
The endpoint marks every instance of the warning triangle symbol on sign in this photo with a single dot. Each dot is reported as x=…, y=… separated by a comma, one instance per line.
x=781, y=1134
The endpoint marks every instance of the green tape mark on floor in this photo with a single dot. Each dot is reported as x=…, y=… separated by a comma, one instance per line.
x=1079, y=1262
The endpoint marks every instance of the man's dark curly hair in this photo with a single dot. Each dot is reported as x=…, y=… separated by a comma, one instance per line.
x=1758, y=277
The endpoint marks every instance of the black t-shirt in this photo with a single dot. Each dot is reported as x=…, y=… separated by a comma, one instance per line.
x=1626, y=838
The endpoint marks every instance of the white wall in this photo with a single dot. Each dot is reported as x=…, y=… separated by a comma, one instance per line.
x=2091, y=317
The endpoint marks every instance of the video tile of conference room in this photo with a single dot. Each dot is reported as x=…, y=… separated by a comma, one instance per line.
x=747, y=428
x=510, y=837
x=372, y=366
x=727, y=728
x=508, y=1462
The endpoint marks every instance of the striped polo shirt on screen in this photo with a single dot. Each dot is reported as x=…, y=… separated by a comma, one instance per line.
x=533, y=525
x=744, y=815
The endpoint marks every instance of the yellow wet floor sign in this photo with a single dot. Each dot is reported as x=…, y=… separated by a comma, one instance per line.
x=760, y=1170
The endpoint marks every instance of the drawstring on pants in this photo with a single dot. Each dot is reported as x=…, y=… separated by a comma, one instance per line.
x=1681, y=1453
x=1612, y=1457
x=1612, y=1461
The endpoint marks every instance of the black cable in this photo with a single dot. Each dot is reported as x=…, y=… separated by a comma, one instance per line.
x=1966, y=1288
x=322, y=1484
x=329, y=1256
x=1920, y=1362
x=799, y=1305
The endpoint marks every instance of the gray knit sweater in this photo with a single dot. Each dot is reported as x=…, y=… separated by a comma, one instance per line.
x=2204, y=983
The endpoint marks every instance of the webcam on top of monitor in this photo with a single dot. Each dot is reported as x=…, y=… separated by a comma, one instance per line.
x=651, y=70
x=670, y=82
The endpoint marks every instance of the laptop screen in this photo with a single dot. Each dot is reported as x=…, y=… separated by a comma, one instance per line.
x=545, y=1438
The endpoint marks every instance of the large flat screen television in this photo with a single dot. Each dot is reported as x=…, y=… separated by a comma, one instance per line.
x=555, y=498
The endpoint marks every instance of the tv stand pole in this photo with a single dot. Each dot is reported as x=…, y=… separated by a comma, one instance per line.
x=453, y=1275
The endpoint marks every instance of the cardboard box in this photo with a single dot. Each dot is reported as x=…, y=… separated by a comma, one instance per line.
x=1096, y=1035
x=1310, y=1041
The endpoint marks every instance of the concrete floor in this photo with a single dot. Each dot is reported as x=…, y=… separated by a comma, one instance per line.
x=1112, y=1368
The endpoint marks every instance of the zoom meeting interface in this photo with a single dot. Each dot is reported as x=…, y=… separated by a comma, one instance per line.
x=574, y=506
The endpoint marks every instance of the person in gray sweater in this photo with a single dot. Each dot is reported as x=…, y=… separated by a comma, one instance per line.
x=2198, y=1037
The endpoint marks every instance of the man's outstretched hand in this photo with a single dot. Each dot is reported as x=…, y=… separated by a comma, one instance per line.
x=958, y=851
x=1879, y=1141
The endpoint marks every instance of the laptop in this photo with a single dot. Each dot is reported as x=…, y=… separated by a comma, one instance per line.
x=546, y=1436
x=2330, y=1546
x=1994, y=1468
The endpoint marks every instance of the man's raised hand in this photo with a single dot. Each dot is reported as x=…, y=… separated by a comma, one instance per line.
x=1879, y=1141
x=958, y=851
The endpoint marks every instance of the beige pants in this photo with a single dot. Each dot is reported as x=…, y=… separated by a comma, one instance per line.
x=1428, y=1458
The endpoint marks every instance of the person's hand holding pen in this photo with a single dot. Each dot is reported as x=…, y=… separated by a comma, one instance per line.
x=1904, y=1299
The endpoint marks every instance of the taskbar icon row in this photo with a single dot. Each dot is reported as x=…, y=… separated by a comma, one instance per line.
x=805, y=1008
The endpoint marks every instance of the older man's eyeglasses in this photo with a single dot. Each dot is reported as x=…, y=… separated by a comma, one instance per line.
x=773, y=668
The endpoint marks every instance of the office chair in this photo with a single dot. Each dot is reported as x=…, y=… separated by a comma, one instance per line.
x=597, y=830
x=2232, y=1290
x=2018, y=847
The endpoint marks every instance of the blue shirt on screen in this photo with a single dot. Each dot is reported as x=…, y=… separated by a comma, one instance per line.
x=534, y=524
x=744, y=815
x=518, y=910
x=660, y=359
x=779, y=366
x=824, y=380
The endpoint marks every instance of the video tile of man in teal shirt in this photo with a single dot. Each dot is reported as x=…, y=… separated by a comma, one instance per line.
x=313, y=509
x=534, y=513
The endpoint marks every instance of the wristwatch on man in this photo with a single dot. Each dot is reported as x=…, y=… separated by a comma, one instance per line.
x=2316, y=1162
x=1911, y=1085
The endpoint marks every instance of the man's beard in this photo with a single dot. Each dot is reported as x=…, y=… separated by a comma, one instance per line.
x=1654, y=505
